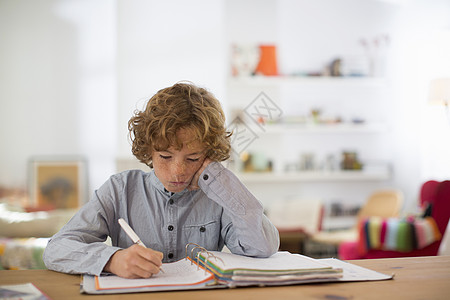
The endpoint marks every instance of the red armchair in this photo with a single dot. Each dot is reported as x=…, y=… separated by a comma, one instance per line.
x=434, y=195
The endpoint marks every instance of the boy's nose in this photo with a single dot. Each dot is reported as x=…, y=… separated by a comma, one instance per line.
x=179, y=168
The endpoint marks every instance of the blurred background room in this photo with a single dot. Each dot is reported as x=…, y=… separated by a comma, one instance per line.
x=333, y=103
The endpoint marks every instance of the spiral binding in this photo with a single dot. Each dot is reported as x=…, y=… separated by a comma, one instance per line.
x=197, y=256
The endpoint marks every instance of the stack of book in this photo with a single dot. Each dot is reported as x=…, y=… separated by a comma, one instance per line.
x=212, y=270
x=282, y=268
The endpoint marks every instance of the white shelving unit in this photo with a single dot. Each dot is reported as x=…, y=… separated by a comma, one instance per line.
x=283, y=140
x=336, y=128
x=380, y=173
x=296, y=80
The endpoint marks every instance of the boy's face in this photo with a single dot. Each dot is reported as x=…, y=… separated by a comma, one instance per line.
x=176, y=168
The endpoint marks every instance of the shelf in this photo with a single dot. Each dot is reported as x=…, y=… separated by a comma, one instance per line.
x=325, y=128
x=351, y=88
x=277, y=80
x=371, y=174
x=338, y=222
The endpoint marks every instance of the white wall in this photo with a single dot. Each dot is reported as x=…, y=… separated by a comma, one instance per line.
x=57, y=81
x=420, y=53
x=313, y=33
x=161, y=43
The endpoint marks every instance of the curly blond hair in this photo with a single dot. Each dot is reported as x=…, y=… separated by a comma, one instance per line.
x=181, y=106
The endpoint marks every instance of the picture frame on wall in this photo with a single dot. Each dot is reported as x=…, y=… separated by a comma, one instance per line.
x=58, y=182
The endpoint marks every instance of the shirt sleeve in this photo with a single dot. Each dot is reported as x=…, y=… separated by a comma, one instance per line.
x=79, y=248
x=250, y=232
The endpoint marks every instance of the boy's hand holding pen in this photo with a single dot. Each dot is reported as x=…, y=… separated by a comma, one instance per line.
x=136, y=261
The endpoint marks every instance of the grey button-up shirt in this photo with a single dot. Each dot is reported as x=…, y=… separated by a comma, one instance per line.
x=222, y=212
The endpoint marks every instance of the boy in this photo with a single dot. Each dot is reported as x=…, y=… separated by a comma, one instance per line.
x=189, y=196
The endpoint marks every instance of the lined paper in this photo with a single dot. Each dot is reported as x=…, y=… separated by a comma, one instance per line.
x=175, y=274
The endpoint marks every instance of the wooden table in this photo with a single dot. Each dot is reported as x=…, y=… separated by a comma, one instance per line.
x=415, y=278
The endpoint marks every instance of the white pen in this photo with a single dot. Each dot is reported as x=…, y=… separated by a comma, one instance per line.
x=130, y=232
x=133, y=236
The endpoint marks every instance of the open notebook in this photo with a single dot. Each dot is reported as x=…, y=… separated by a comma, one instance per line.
x=212, y=269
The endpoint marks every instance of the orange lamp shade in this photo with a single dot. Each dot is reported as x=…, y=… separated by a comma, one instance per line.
x=268, y=61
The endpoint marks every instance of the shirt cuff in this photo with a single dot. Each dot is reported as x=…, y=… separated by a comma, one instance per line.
x=222, y=186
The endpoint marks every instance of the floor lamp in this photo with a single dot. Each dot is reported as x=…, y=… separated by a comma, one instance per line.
x=440, y=93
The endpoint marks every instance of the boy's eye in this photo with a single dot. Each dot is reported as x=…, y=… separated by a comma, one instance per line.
x=193, y=159
x=164, y=156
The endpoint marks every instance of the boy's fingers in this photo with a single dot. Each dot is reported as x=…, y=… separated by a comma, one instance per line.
x=135, y=262
x=146, y=269
x=156, y=257
x=147, y=261
x=150, y=255
x=161, y=255
x=194, y=182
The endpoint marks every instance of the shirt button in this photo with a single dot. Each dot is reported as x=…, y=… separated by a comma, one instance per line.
x=202, y=229
x=171, y=201
x=170, y=255
x=205, y=177
x=170, y=227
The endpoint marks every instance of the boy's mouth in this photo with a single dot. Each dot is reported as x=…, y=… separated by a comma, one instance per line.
x=178, y=183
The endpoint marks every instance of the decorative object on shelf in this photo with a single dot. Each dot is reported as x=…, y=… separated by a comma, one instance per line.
x=58, y=182
x=267, y=61
x=315, y=113
x=330, y=163
x=375, y=51
x=350, y=161
x=358, y=120
x=339, y=209
x=244, y=59
x=439, y=93
x=255, y=162
x=335, y=67
x=355, y=66
x=314, y=117
x=307, y=162
x=291, y=167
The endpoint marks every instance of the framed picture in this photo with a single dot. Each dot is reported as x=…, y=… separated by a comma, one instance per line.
x=57, y=183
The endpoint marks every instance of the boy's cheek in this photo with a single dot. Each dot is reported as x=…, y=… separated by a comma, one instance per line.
x=198, y=168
